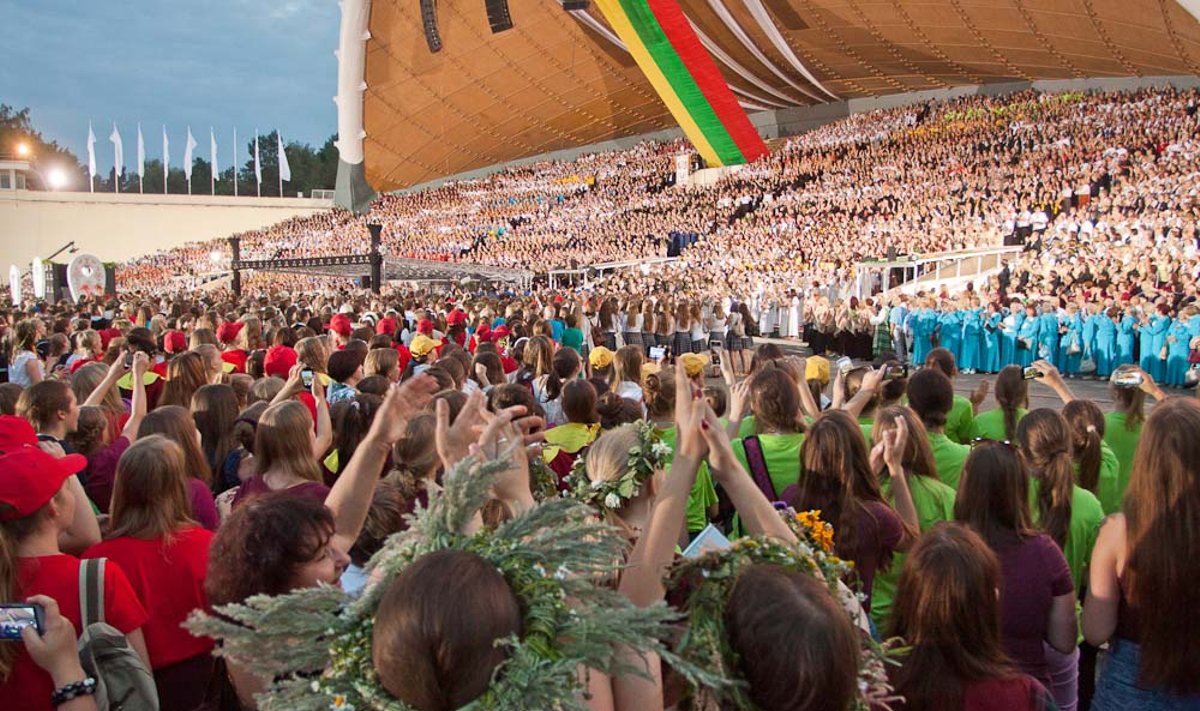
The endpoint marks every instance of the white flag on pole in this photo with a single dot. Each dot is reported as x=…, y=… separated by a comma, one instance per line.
x=91, y=146
x=257, y=162
x=187, y=154
x=141, y=162
x=285, y=170
x=212, y=147
x=118, y=149
x=118, y=157
x=166, y=159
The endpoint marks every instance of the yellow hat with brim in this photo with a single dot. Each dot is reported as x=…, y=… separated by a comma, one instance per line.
x=600, y=357
x=817, y=368
x=423, y=345
x=693, y=364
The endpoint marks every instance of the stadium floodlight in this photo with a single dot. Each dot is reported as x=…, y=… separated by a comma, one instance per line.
x=57, y=179
x=23, y=149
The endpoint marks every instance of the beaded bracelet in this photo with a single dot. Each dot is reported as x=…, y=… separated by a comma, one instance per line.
x=74, y=690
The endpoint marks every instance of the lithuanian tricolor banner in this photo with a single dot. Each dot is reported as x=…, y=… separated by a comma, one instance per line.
x=661, y=40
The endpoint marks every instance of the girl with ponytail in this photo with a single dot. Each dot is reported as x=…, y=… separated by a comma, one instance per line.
x=1012, y=398
x=1096, y=466
x=1069, y=514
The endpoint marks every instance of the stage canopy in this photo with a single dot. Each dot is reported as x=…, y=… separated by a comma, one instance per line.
x=559, y=79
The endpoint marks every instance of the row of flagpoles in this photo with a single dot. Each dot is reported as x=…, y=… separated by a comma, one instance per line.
x=285, y=170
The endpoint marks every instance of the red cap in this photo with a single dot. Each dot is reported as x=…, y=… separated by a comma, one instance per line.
x=456, y=317
x=386, y=325
x=16, y=432
x=174, y=342
x=228, y=331
x=340, y=324
x=29, y=478
x=425, y=326
x=279, y=361
x=483, y=333
x=501, y=333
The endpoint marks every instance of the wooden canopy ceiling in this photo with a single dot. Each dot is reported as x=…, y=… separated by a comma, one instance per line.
x=561, y=79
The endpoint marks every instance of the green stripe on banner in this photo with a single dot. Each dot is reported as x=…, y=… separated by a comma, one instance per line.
x=689, y=93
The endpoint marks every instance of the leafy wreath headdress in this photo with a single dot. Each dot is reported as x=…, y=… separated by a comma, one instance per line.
x=316, y=643
x=710, y=579
x=649, y=455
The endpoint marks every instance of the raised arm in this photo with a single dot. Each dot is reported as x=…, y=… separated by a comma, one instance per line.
x=324, y=425
x=141, y=363
x=758, y=515
x=350, y=498
x=115, y=372
x=1052, y=379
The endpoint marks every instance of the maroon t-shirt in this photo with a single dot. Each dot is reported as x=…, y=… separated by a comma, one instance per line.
x=879, y=531
x=1022, y=693
x=1033, y=573
x=255, y=485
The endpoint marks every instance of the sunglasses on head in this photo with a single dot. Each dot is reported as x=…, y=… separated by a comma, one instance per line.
x=987, y=440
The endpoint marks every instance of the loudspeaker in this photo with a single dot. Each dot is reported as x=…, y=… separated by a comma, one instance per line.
x=429, y=20
x=364, y=282
x=56, y=285
x=498, y=17
x=570, y=5
x=110, y=280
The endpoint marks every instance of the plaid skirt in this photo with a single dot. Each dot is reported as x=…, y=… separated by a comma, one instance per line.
x=883, y=339
x=699, y=346
x=682, y=343
x=732, y=342
x=633, y=338
x=610, y=340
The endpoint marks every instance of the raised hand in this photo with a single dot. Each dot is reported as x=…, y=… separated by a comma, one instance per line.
x=400, y=405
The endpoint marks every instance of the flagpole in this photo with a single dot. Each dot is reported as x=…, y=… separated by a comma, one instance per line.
x=235, y=165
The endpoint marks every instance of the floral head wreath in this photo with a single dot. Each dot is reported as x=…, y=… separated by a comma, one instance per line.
x=649, y=455
x=316, y=643
x=708, y=581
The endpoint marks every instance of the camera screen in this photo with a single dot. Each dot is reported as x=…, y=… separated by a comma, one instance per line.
x=15, y=619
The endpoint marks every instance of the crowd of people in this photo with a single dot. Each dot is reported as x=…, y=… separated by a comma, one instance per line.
x=616, y=495
x=216, y=455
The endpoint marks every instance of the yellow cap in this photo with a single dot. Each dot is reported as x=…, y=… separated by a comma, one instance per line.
x=600, y=357
x=693, y=364
x=817, y=368
x=422, y=345
x=649, y=369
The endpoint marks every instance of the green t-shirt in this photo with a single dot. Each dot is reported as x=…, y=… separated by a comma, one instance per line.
x=1086, y=517
x=703, y=494
x=990, y=425
x=948, y=457
x=960, y=421
x=747, y=427
x=1107, y=483
x=867, y=424
x=573, y=338
x=781, y=452
x=934, y=502
x=1123, y=444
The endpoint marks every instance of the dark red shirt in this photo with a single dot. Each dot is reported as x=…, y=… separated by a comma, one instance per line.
x=1034, y=572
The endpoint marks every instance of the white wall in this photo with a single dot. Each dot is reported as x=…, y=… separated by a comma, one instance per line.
x=118, y=227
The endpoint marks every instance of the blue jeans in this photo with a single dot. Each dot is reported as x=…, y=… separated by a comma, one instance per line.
x=1117, y=689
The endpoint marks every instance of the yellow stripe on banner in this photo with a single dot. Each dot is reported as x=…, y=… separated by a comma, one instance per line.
x=612, y=11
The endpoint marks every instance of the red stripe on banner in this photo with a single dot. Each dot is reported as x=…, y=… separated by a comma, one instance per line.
x=708, y=77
